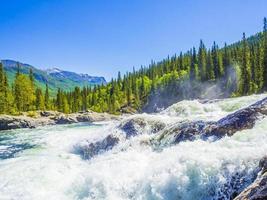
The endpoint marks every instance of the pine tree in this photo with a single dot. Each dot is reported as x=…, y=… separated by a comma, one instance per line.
x=193, y=66
x=210, y=67
x=265, y=52
x=47, y=103
x=2, y=89
x=217, y=61
x=202, y=61
x=31, y=89
x=65, y=105
x=39, y=103
x=259, y=79
x=226, y=56
x=23, y=92
x=59, y=100
x=246, y=67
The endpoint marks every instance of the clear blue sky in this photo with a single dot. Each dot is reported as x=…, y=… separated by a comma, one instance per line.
x=101, y=37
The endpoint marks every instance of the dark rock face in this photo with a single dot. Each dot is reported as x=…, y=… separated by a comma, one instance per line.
x=258, y=189
x=137, y=125
x=93, y=149
x=185, y=131
x=237, y=121
x=227, y=126
x=131, y=127
x=181, y=131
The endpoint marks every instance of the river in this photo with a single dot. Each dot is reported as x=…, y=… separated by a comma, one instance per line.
x=43, y=163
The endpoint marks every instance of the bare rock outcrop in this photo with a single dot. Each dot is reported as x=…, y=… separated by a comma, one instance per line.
x=43, y=118
x=258, y=189
x=227, y=126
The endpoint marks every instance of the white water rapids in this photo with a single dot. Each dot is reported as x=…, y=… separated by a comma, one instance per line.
x=42, y=163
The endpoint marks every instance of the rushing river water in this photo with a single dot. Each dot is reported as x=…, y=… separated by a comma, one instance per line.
x=43, y=163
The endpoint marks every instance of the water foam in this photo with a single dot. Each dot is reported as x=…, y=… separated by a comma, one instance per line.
x=198, y=170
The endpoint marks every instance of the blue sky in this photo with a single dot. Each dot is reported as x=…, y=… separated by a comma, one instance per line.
x=102, y=37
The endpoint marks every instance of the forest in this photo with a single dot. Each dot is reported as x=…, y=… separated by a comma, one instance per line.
x=239, y=69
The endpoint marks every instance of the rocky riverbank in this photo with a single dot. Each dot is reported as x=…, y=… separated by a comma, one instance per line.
x=258, y=189
x=42, y=118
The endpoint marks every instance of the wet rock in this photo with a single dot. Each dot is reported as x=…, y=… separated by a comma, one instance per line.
x=258, y=189
x=138, y=125
x=237, y=121
x=183, y=131
x=131, y=127
x=92, y=149
x=227, y=126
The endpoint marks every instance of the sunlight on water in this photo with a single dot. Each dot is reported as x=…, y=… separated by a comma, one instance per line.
x=41, y=163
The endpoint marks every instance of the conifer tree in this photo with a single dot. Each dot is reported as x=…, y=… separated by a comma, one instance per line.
x=265, y=52
x=210, y=67
x=2, y=89
x=259, y=67
x=47, y=103
x=24, y=98
x=193, y=66
x=39, y=103
x=202, y=61
x=246, y=67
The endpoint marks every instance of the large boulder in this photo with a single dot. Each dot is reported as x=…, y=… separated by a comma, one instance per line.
x=89, y=150
x=181, y=131
x=237, y=121
x=227, y=126
x=130, y=127
x=258, y=189
x=140, y=124
x=13, y=122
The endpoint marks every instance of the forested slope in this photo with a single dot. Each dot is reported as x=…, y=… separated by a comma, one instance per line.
x=233, y=70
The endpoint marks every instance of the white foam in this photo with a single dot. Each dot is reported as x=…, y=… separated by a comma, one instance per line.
x=196, y=170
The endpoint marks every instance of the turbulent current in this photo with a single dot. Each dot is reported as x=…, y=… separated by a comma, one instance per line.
x=45, y=163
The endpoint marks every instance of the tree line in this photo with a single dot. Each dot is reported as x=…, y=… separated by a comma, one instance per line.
x=242, y=66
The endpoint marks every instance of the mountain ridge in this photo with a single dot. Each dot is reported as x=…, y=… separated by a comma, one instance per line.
x=54, y=77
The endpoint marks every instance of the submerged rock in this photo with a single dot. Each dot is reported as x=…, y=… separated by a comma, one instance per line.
x=131, y=127
x=92, y=149
x=258, y=189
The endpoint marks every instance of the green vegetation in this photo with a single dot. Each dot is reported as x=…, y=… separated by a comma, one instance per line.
x=55, y=78
x=240, y=68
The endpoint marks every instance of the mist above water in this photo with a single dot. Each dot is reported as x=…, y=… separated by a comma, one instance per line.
x=199, y=170
x=185, y=89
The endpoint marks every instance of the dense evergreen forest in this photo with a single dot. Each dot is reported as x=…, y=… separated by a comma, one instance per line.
x=237, y=69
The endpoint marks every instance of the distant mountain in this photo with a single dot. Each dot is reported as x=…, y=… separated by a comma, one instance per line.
x=55, y=77
x=84, y=78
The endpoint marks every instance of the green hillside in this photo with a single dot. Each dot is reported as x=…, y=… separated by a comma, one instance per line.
x=67, y=82
x=233, y=70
